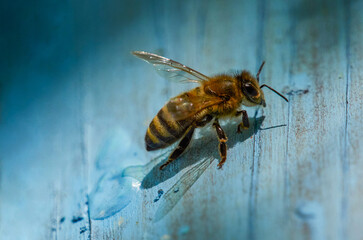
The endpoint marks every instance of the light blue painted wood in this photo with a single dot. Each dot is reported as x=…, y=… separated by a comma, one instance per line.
x=353, y=154
x=75, y=105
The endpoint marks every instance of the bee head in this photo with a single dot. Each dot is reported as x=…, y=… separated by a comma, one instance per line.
x=251, y=90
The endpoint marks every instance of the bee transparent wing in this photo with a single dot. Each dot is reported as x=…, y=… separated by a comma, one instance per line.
x=177, y=191
x=171, y=69
x=185, y=106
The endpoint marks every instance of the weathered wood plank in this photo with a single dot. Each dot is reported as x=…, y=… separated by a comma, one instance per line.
x=317, y=120
x=352, y=155
x=232, y=46
x=120, y=102
x=182, y=40
x=271, y=187
x=76, y=104
x=42, y=167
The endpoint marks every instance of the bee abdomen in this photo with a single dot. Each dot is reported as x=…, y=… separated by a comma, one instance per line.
x=164, y=130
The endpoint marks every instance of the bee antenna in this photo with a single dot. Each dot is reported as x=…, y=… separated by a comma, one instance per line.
x=259, y=71
x=264, y=85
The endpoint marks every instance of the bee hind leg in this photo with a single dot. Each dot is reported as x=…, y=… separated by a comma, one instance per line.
x=183, y=144
x=245, y=124
x=222, y=143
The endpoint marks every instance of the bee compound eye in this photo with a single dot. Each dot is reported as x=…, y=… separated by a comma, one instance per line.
x=251, y=90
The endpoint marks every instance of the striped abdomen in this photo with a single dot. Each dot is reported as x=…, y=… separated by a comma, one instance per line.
x=164, y=130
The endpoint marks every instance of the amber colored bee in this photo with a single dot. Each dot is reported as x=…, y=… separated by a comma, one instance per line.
x=215, y=97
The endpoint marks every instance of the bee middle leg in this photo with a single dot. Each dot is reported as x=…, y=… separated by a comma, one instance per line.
x=183, y=144
x=204, y=121
x=245, y=124
x=222, y=143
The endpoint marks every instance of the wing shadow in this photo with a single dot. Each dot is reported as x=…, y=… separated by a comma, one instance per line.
x=206, y=147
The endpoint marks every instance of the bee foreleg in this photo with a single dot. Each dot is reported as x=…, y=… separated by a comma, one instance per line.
x=183, y=144
x=245, y=124
x=222, y=143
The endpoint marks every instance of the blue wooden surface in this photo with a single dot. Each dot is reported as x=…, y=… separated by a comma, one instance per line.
x=75, y=105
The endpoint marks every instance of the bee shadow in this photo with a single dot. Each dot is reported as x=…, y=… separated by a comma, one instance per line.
x=204, y=147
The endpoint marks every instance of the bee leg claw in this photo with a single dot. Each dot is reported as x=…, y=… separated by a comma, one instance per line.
x=241, y=126
x=238, y=129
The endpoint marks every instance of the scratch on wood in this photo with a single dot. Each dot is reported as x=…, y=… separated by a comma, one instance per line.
x=89, y=218
x=289, y=115
x=345, y=162
x=83, y=146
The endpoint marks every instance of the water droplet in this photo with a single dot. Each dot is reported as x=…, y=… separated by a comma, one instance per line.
x=136, y=185
x=110, y=195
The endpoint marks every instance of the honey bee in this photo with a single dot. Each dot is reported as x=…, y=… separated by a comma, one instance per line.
x=215, y=97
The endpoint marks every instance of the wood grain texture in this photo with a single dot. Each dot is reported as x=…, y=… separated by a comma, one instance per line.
x=75, y=106
x=353, y=152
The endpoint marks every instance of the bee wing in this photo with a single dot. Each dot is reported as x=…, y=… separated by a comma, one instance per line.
x=185, y=106
x=171, y=69
x=177, y=191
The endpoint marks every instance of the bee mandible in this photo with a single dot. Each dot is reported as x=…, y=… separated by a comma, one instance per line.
x=216, y=97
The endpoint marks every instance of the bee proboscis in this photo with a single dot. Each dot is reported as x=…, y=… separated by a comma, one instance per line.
x=215, y=97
